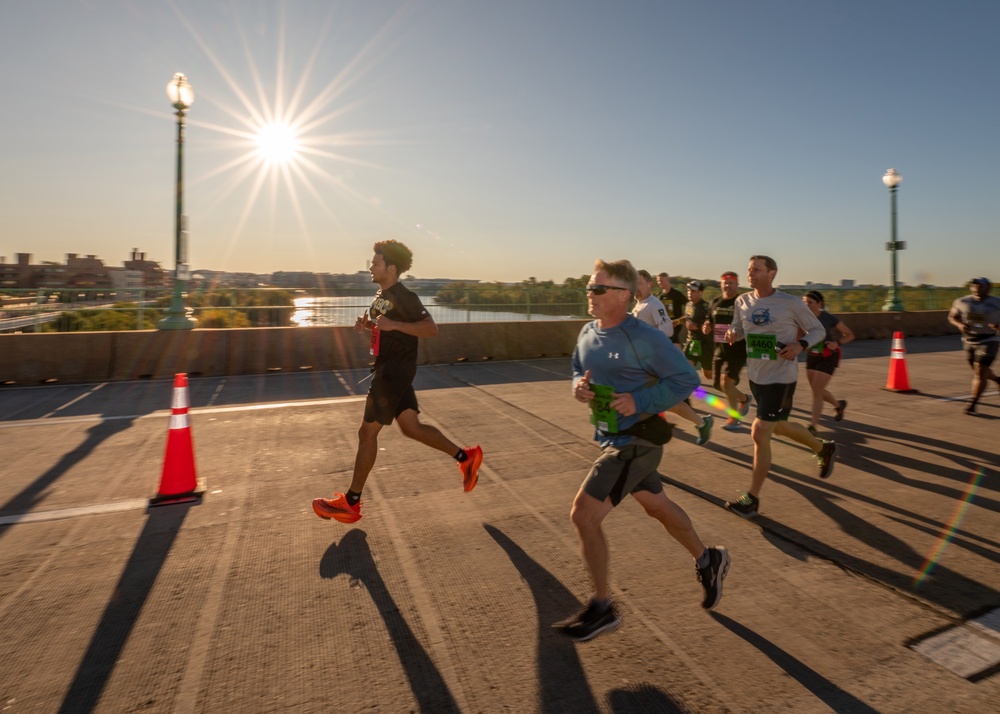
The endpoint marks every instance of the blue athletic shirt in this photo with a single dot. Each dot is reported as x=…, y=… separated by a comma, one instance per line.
x=637, y=358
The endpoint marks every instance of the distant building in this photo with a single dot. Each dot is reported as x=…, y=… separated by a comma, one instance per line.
x=153, y=276
x=127, y=283
x=86, y=272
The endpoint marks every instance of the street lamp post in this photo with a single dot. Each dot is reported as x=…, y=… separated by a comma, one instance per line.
x=181, y=96
x=893, y=303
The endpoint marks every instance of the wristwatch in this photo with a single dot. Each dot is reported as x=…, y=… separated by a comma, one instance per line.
x=805, y=345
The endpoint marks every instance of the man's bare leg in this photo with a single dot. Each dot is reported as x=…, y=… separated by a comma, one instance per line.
x=587, y=515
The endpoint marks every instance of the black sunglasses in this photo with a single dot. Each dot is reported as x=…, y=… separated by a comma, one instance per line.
x=601, y=289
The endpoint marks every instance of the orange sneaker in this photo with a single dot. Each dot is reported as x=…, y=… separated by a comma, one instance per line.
x=470, y=467
x=337, y=508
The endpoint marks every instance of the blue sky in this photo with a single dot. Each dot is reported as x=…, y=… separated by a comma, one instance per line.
x=502, y=140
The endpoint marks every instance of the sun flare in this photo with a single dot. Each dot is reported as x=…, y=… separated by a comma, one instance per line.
x=277, y=143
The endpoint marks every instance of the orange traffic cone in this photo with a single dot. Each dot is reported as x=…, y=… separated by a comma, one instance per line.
x=178, y=482
x=898, y=380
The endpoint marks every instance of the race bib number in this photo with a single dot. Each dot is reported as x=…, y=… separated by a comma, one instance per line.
x=376, y=337
x=976, y=319
x=720, y=332
x=762, y=346
x=602, y=414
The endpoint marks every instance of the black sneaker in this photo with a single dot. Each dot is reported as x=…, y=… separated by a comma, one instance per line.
x=745, y=506
x=841, y=406
x=590, y=622
x=704, y=431
x=825, y=458
x=971, y=409
x=813, y=430
x=712, y=575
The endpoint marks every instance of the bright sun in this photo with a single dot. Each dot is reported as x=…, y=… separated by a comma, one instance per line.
x=277, y=143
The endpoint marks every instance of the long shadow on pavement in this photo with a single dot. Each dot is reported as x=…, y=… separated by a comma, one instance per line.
x=33, y=494
x=134, y=585
x=948, y=588
x=822, y=688
x=562, y=681
x=855, y=438
x=353, y=557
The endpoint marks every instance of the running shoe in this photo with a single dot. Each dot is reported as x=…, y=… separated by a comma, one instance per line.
x=732, y=424
x=337, y=508
x=841, y=406
x=744, y=407
x=813, y=430
x=712, y=575
x=590, y=621
x=745, y=506
x=825, y=459
x=704, y=431
x=470, y=467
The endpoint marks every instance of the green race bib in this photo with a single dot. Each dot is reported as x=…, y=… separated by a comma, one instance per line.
x=762, y=346
x=602, y=414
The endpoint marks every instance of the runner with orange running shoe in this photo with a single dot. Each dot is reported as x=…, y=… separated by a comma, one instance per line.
x=396, y=319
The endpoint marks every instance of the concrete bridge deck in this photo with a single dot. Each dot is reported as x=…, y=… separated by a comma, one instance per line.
x=441, y=601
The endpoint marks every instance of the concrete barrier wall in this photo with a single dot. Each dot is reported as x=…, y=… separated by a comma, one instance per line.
x=70, y=357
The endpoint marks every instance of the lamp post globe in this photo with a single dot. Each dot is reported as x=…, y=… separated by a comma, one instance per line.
x=181, y=96
x=892, y=179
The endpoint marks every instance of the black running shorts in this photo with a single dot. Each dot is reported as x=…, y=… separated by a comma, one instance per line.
x=389, y=397
x=734, y=357
x=819, y=363
x=774, y=401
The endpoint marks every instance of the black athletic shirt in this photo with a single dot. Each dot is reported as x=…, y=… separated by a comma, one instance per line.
x=394, y=347
x=697, y=312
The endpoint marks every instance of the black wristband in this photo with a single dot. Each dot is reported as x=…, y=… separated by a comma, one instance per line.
x=805, y=345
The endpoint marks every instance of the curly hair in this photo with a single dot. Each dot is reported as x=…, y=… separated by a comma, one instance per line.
x=395, y=253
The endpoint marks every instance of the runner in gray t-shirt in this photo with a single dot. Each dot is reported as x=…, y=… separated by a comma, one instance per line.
x=770, y=321
x=977, y=316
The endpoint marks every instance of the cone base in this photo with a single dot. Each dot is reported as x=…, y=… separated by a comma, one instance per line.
x=170, y=499
x=901, y=391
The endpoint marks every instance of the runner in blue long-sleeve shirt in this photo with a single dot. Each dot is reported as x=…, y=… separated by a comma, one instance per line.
x=628, y=372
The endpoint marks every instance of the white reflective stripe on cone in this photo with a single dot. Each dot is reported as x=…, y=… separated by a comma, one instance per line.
x=180, y=400
x=179, y=421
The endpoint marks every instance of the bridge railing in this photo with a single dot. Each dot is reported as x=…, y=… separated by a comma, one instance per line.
x=91, y=309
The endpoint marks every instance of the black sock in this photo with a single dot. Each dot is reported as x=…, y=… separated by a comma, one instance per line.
x=461, y=456
x=602, y=606
x=352, y=498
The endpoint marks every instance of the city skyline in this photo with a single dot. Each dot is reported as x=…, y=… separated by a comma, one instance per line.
x=196, y=271
x=501, y=141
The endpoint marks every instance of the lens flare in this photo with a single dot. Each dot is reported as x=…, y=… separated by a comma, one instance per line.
x=948, y=532
x=716, y=403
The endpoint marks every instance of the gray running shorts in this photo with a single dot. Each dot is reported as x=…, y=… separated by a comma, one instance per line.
x=621, y=471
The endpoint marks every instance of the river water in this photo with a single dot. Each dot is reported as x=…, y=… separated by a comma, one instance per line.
x=342, y=311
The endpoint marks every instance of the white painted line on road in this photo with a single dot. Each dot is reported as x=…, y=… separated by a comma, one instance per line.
x=218, y=391
x=73, y=401
x=343, y=382
x=968, y=649
x=39, y=516
x=55, y=421
x=965, y=397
